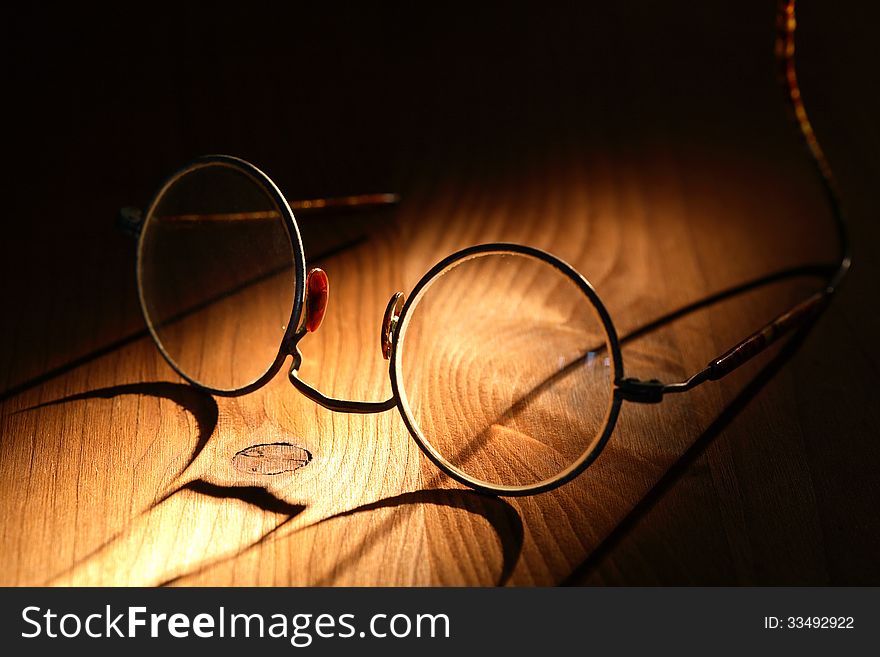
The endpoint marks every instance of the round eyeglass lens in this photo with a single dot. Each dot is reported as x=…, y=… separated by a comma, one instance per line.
x=505, y=369
x=217, y=275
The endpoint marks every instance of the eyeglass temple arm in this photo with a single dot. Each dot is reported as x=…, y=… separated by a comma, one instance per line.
x=653, y=391
x=130, y=220
x=757, y=341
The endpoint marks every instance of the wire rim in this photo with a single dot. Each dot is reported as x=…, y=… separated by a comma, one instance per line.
x=601, y=438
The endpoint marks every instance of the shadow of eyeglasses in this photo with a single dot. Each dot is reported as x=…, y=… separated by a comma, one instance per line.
x=504, y=519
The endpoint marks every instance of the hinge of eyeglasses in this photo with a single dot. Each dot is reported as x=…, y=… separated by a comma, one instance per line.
x=130, y=221
x=645, y=392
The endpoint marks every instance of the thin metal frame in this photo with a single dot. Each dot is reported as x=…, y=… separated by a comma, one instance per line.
x=290, y=337
x=289, y=345
x=613, y=343
x=623, y=389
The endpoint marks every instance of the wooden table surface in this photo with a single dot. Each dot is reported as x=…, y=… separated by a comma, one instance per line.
x=647, y=146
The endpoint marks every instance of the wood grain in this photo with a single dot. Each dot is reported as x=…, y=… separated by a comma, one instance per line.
x=159, y=517
x=671, y=186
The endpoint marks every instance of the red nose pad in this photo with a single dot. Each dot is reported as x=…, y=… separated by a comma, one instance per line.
x=317, y=293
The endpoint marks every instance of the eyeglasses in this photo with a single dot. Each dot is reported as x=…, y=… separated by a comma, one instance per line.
x=503, y=361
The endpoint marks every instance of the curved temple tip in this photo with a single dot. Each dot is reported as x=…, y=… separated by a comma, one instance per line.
x=317, y=294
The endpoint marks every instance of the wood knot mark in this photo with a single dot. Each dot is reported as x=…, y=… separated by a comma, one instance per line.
x=271, y=458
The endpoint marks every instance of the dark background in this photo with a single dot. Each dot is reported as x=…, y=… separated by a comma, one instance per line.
x=101, y=105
